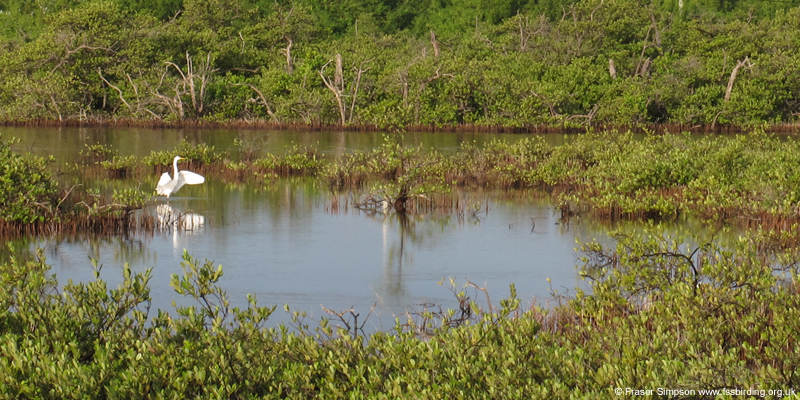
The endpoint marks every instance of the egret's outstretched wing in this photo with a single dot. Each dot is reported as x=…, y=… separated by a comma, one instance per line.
x=162, y=183
x=191, y=178
x=164, y=179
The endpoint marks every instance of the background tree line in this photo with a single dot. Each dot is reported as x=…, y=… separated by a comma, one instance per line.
x=396, y=63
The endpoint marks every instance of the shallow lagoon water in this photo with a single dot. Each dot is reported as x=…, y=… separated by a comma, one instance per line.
x=293, y=241
x=285, y=245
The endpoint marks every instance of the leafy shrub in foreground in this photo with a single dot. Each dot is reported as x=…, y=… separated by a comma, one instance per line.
x=672, y=312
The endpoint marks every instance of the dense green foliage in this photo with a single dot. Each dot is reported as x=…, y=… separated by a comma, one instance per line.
x=30, y=196
x=27, y=190
x=663, y=312
x=492, y=62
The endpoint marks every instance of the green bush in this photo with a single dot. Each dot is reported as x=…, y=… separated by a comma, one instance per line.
x=201, y=154
x=296, y=160
x=28, y=192
x=119, y=167
x=663, y=311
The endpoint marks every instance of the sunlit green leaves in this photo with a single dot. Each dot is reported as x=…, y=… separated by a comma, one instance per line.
x=664, y=311
x=27, y=190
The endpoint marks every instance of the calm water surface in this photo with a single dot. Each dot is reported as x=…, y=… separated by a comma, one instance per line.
x=64, y=143
x=295, y=242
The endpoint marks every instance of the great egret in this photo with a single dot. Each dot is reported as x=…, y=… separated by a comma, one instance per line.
x=168, y=185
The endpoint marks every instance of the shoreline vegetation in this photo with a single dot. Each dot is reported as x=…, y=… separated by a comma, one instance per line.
x=744, y=180
x=662, y=312
x=603, y=174
x=662, y=128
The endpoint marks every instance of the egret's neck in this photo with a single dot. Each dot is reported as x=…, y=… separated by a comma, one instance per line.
x=175, y=167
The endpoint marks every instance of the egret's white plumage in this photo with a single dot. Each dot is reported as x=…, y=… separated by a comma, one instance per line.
x=168, y=185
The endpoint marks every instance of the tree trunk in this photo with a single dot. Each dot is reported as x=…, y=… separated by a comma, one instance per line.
x=337, y=86
x=435, y=44
x=338, y=77
x=732, y=79
x=288, y=52
x=612, y=70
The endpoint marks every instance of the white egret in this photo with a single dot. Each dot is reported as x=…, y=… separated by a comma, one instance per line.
x=168, y=185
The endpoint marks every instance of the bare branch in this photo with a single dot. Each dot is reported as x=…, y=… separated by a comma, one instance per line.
x=335, y=87
x=359, y=71
x=740, y=64
x=262, y=98
x=435, y=44
x=288, y=52
x=591, y=17
x=99, y=72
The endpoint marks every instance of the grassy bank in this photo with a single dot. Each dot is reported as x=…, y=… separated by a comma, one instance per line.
x=662, y=312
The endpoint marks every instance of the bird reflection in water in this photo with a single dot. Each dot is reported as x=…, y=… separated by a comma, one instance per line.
x=170, y=218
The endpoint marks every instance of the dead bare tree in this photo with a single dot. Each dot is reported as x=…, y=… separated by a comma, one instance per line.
x=551, y=105
x=288, y=52
x=69, y=52
x=360, y=70
x=639, y=69
x=588, y=117
x=645, y=69
x=338, y=86
x=139, y=104
x=525, y=30
x=612, y=70
x=743, y=63
x=657, y=34
x=435, y=45
x=173, y=102
x=591, y=17
x=403, y=78
x=190, y=77
x=121, y=97
x=349, y=320
x=55, y=106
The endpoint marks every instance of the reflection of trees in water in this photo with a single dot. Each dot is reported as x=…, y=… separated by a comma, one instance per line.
x=286, y=200
x=402, y=233
x=395, y=253
x=122, y=249
x=18, y=248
